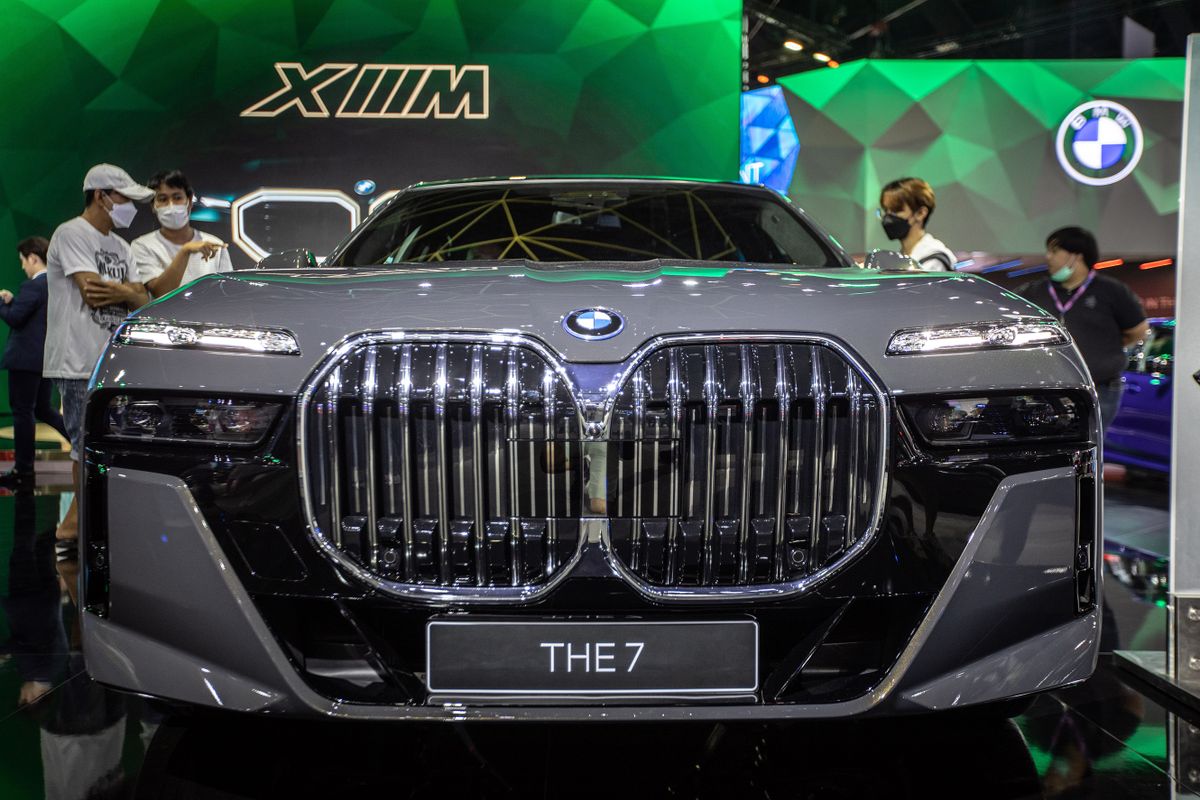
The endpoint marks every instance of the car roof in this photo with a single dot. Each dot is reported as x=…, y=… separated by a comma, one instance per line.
x=517, y=180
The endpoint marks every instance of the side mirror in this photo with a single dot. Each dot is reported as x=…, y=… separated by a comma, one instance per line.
x=890, y=261
x=1137, y=358
x=288, y=259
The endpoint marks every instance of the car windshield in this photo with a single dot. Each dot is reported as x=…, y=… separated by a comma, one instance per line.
x=587, y=222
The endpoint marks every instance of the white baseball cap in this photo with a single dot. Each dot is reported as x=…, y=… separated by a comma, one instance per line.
x=108, y=177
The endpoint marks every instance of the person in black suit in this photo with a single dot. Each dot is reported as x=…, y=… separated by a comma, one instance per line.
x=28, y=391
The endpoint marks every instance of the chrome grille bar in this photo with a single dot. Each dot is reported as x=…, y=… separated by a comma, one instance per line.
x=853, y=453
x=512, y=410
x=439, y=475
x=368, y=390
x=550, y=456
x=406, y=460
x=478, y=459
x=333, y=395
x=712, y=407
x=749, y=400
x=678, y=432
x=639, y=417
x=820, y=399
x=783, y=393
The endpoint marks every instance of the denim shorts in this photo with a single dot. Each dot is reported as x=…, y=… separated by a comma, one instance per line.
x=74, y=394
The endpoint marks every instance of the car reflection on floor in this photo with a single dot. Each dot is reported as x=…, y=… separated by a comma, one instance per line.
x=64, y=736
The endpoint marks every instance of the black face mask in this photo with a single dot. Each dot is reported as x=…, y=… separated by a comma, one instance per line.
x=895, y=227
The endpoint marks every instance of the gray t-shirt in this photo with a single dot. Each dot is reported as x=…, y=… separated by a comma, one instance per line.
x=76, y=334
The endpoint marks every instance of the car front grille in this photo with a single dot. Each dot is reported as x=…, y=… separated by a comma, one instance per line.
x=742, y=464
x=462, y=467
x=436, y=463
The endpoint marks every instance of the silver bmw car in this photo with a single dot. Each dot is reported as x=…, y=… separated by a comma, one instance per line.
x=590, y=449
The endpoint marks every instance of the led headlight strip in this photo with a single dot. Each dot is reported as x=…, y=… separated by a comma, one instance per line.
x=198, y=336
x=977, y=336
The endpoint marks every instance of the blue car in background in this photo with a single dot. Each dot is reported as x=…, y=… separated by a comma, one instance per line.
x=1140, y=436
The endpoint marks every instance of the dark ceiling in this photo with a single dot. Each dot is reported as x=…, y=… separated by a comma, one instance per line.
x=851, y=29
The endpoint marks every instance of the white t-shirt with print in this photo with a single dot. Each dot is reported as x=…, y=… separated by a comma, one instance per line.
x=152, y=254
x=932, y=255
x=76, y=334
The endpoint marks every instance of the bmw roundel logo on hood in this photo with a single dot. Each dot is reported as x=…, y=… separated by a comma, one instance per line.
x=593, y=323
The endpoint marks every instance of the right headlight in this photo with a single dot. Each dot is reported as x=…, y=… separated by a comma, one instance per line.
x=189, y=420
x=198, y=336
x=1000, y=419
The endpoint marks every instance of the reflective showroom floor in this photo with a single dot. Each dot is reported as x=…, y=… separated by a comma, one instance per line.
x=77, y=740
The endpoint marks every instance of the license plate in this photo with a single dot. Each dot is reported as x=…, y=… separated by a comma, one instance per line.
x=601, y=657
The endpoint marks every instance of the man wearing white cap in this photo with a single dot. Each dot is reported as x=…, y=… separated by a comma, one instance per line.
x=92, y=287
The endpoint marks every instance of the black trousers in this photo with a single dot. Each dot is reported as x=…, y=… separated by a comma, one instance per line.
x=29, y=396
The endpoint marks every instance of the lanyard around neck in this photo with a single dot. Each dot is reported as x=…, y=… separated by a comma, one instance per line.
x=1063, y=308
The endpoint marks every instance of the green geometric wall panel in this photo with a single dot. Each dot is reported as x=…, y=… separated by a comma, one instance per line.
x=588, y=86
x=983, y=134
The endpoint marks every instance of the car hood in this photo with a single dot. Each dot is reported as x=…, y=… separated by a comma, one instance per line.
x=860, y=308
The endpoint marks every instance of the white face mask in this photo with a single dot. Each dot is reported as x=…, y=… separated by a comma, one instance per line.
x=173, y=217
x=122, y=214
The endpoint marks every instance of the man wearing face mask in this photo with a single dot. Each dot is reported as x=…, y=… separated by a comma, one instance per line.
x=91, y=288
x=176, y=253
x=1102, y=314
x=905, y=207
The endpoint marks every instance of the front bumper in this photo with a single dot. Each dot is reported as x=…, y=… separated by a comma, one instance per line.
x=1000, y=621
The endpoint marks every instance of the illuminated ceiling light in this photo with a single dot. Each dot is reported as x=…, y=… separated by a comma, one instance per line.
x=763, y=79
x=1116, y=262
x=793, y=45
x=822, y=57
x=1166, y=262
x=833, y=64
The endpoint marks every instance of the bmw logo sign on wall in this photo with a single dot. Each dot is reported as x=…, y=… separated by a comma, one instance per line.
x=1099, y=143
x=593, y=323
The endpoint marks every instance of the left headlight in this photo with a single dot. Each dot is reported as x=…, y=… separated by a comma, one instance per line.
x=197, y=420
x=1003, y=419
x=977, y=336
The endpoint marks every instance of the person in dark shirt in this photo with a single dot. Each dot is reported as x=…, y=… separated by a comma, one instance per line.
x=1103, y=315
x=28, y=391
